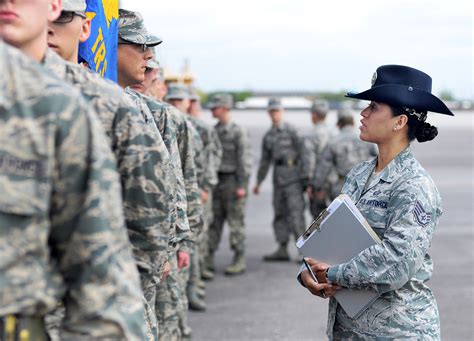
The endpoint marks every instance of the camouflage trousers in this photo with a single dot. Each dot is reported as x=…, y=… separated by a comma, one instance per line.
x=288, y=206
x=183, y=279
x=166, y=304
x=227, y=207
x=149, y=297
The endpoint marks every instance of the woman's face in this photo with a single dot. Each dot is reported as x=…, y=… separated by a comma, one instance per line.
x=377, y=123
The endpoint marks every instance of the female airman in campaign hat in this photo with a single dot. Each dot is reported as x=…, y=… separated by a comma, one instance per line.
x=401, y=203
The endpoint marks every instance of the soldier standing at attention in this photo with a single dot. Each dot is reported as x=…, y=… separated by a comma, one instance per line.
x=61, y=219
x=341, y=154
x=212, y=160
x=140, y=157
x=283, y=148
x=402, y=204
x=315, y=143
x=230, y=195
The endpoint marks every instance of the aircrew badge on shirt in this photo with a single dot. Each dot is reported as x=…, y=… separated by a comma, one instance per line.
x=422, y=217
x=374, y=78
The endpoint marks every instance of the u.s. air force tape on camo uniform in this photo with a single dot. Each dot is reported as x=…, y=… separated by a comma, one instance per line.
x=63, y=235
x=403, y=205
x=142, y=160
x=283, y=147
x=341, y=154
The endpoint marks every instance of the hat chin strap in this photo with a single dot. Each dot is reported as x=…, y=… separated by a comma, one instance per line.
x=421, y=116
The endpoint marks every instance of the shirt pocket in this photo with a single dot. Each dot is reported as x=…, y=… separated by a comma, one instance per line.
x=24, y=197
x=25, y=186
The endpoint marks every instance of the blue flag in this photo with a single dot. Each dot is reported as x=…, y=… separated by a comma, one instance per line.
x=100, y=50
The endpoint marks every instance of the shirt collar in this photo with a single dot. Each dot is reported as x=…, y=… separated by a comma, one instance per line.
x=56, y=64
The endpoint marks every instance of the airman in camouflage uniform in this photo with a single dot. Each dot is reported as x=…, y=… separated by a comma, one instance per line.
x=283, y=148
x=230, y=195
x=61, y=221
x=341, y=154
x=178, y=97
x=401, y=203
x=212, y=151
x=315, y=143
x=140, y=156
x=132, y=33
x=179, y=136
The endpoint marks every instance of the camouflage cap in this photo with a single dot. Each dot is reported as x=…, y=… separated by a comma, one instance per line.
x=131, y=28
x=274, y=103
x=193, y=94
x=220, y=100
x=74, y=5
x=320, y=106
x=177, y=91
x=344, y=113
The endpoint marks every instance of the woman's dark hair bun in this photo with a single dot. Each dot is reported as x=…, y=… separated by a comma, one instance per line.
x=425, y=132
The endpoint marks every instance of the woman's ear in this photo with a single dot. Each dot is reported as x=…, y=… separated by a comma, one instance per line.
x=401, y=121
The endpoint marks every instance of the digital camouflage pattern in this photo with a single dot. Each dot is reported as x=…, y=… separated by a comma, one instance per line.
x=233, y=174
x=283, y=148
x=131, y=28
x=180, y=138
x=403, y=206
x=315, y=143
x=143, y=164
x=142, y=159
x=63, y=235
x=341, y=154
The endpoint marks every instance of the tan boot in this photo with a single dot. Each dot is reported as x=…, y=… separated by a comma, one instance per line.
x=281, y=254
x=238, y=266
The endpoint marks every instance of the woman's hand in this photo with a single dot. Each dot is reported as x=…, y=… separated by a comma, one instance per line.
x=320, y=288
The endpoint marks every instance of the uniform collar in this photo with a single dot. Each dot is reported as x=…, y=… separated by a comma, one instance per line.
x=56, y=64
x=397, y=165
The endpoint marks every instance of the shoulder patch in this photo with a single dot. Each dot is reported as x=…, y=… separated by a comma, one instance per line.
x=421, y=216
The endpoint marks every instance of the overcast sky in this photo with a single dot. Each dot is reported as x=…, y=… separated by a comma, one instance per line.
x=313, y=45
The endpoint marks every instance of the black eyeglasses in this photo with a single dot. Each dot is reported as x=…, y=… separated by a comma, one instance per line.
x=66, y=17
x=143, y=47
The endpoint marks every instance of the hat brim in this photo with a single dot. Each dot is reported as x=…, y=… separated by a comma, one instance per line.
x=152, y=40
x=402, y=96
x=149, y=40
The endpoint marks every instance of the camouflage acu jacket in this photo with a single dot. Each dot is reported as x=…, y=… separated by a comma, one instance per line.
x=142, y=160
x=235, y=151
x=403, y=206
x=62, y=232
x=283, y=147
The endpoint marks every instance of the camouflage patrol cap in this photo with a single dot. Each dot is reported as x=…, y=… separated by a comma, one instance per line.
x=131, y=28
x=344, y=113
x=221, y=100
x=274, y=103
x=320, y=106
x=74, y=5
x=193, y=94
x=177, y=91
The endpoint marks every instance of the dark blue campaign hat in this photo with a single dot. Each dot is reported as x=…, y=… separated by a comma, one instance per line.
x=403, y=86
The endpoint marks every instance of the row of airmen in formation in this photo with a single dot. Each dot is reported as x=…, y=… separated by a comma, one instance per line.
x=114, y=201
